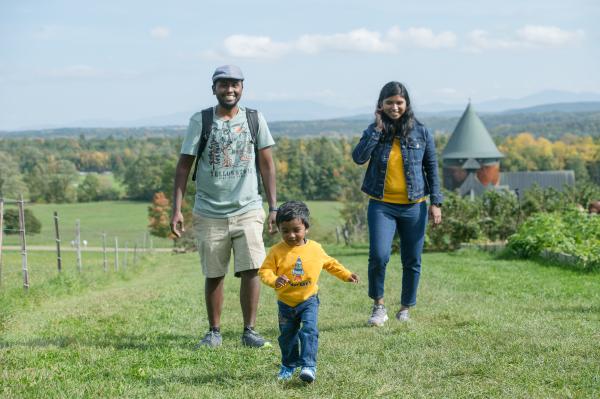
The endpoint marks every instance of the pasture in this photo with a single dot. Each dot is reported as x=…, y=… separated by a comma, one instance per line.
x=483, y=327
x=128, y=220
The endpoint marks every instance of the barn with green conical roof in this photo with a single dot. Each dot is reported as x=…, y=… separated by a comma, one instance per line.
x=470, y=149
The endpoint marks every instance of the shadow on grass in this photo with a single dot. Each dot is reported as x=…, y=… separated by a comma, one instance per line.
x=223, y=377
x=507, y=254
x=593, y=309
x=115, y=341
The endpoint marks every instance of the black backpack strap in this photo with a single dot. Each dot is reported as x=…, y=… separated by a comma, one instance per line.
x=252, y=118
x=207, y=120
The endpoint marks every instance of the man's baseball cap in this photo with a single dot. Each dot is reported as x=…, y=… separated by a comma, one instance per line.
x=227, y=72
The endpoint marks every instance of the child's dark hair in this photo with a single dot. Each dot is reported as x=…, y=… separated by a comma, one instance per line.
x=293, y=210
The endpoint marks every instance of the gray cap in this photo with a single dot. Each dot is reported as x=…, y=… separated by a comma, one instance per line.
x=228, y=72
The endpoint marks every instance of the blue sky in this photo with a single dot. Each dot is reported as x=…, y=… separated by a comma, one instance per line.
x=67, y=61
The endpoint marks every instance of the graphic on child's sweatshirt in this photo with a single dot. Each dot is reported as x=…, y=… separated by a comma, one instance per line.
x=298, y=271
x=230, y=152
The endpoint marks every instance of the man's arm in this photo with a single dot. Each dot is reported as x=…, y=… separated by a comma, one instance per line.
x=267, y=172
x=182, y=171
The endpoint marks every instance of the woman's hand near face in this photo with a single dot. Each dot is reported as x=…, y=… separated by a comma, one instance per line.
x=378, y=120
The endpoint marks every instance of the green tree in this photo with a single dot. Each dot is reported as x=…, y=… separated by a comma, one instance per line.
x=11, y=180
x=89, y=189
x=11, y=222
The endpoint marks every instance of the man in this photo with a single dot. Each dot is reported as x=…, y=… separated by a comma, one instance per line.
x=228, y=211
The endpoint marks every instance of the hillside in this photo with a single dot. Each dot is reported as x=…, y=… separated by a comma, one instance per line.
x=549, y=120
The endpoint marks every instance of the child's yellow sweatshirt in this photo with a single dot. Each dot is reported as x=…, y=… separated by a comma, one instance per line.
x=302, y=265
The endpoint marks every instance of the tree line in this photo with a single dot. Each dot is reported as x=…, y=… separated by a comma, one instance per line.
x=311, y=168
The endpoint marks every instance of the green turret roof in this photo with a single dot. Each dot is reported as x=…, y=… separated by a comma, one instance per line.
x=470, y=139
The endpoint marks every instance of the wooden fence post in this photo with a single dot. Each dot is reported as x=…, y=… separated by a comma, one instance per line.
x=116, y=254
x=145, y=240
x=135, y=255
x=57, y=233
x=23, y=243
x=126, y=255
x=1, y=234
x=104, y=262
x=78, y=244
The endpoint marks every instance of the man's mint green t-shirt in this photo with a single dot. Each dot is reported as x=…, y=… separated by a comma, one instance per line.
x=226, y=181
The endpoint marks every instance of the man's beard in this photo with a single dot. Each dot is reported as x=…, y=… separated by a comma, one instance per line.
x=227, y=106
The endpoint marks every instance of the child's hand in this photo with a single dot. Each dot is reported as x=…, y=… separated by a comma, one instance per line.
x=281, y=281
x=353, y=278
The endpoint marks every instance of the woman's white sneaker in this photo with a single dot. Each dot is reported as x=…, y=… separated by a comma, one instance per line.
x=402, y=315
x=378, y=316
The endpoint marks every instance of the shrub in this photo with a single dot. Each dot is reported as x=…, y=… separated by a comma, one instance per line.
x=11, y=222
x=571, y=232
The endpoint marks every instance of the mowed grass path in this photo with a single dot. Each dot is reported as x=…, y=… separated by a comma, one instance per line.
x=483, y=327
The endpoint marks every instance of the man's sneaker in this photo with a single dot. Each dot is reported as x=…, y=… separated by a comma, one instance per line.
x=285, y=373
x=378, y=316
x=253, y=339
x=308, y=374
x=402, y=315
x=212, y=339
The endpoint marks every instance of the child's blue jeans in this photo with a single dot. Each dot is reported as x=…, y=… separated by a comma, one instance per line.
x=299, y=335
x=409, y=221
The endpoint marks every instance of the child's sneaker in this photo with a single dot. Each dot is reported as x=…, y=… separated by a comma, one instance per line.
x=402, y=315
x=378, y=316
x=308, y=374
x=285, y=373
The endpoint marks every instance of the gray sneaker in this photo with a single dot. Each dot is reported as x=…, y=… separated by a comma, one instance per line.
x=253, y=339
x=212, y=339
x=402, y=315
x=378, y=316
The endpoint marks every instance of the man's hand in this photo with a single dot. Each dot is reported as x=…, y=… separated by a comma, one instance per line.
x=281, y=281
x=177, y=224
x=272, y=224
x=353, y=278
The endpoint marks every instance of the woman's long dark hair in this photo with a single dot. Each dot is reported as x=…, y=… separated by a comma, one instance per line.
x=403, y=125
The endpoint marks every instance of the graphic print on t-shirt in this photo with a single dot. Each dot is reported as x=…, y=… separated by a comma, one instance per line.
x=230, y=152
x=298, y=271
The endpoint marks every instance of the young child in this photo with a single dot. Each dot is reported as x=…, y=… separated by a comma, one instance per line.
x=292, y=267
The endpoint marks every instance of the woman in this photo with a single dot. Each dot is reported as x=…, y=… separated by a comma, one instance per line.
x=402, y=171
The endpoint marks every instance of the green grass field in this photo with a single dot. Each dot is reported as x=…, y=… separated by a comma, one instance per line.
x=128, y=221
x=484, y=327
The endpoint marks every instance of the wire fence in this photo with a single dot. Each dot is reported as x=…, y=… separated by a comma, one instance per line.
x=114, y=257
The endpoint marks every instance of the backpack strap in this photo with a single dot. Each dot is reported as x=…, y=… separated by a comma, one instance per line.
x=252, y=118
x=207, y=119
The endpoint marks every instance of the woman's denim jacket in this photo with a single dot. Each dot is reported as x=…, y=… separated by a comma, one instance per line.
x=418, y=156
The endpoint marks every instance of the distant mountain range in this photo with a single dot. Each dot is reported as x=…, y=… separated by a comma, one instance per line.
x=547, y=101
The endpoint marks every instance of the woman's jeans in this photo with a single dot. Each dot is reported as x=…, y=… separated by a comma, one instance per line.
x=384, y=220
x=299, y=344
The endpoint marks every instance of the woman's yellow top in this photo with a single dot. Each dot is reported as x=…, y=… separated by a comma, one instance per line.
x=394, y=189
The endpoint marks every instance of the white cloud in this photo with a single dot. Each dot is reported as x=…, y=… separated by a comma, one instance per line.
x=367, y=41
x=549, y=35
x=356, y=41
x=481, y=40
x=422, y=37
x=529, y=36
x=244, y=46
x=359, y=40
x=160, y=32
